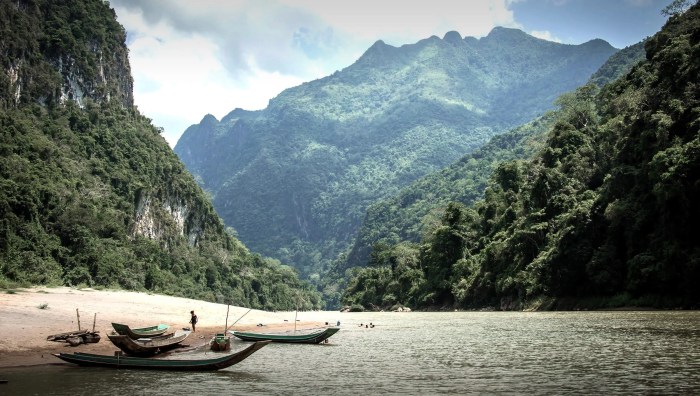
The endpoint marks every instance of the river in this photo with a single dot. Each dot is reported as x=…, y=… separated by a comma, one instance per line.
x=638, y=352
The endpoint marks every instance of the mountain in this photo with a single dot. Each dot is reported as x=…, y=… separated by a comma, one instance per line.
x=404, y=216
x=601, y=217
x=90, y=193
x=619, y=64
x=294, y=180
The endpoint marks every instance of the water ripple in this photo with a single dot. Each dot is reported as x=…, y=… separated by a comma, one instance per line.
x=557, y=353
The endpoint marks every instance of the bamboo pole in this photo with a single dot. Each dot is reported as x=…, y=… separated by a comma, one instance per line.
x=296, y=311
x=78, y=313
x=226, y=324
x=295, y=318
x=239, y=319
x=94, y=319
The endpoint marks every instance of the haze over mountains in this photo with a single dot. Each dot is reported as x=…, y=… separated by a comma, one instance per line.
x=294, y=180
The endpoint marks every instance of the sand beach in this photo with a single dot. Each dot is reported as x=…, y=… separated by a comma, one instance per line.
x=28, y=316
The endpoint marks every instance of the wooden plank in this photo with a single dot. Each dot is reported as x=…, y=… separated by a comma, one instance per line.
x=63, y=336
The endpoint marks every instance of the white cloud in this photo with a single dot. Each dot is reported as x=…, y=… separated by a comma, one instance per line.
x=193, y=58
x=545, y=35
x=403, y=21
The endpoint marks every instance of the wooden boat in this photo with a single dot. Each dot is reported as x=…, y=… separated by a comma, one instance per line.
x=142, y=332
x=126, y=362
x=220, y=342
x=147, y=346
x=306, y=338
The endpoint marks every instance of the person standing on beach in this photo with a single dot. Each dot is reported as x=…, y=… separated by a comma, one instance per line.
x=193, y=320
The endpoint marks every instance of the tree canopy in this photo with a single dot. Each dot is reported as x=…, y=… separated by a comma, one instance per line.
x=601, y=216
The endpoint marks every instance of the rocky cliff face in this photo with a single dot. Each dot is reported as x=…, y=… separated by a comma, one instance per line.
x=113, y=80
x=44, y=60
x=47, y=60
x=156, y=218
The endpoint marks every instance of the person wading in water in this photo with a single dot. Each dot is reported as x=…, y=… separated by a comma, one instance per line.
x=193, y=320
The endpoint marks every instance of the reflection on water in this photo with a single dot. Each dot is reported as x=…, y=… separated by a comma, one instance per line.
x=432, y=353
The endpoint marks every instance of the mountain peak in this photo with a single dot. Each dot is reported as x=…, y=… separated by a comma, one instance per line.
x=598, y=43
x=209, y=121
x=378, y=45
x=500, y=32
x=375, y=54
x=452, y=37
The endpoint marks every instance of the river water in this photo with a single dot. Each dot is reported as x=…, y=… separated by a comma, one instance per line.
x=557, y=353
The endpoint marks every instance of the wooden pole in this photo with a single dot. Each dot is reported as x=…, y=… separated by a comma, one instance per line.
x=226, y=324
x=296, y=311
x=78, y=313
x=295, y=319
x=239, y=319
x=94, y=319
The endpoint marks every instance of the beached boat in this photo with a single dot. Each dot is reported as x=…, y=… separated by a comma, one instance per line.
x=141, y=332
x=147, y=346
x=125, y=362
x=307, y=338
x=220, y=342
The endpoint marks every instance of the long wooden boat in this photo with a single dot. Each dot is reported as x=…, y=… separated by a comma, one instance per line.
x=306, y=338
x=147, y=346
x=220, y=342
x=126, y=362
x=141, y=332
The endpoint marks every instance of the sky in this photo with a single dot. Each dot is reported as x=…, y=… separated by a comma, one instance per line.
x=193, y=58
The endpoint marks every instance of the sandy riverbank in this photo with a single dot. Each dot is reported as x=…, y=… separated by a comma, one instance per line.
x=24, y=325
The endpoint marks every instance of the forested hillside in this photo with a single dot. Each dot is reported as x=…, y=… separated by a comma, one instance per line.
x=602, y=216
x=90, y=193
x=404, y=216
x=294, y=180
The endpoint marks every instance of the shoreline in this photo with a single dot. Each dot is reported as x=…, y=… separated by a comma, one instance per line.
x=29, y=315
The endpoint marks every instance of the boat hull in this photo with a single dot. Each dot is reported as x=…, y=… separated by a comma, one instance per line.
x=220, y=343
x=147, y=346
x=310, y=338
x=142, y=332
x=125, y=362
